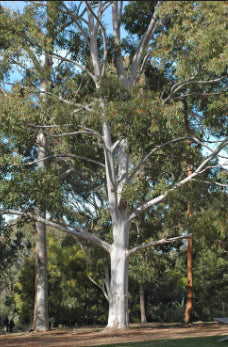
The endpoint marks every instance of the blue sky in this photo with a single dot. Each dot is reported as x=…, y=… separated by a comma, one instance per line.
x=19, y=5
x=14, y=5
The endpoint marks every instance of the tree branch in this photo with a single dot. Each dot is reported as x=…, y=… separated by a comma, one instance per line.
x=98, y=19
x=83, y=68
x=59, y=156
x=65, y=101
x=158, y=243
x=223, y=185
x=116, y=33
x=87, y=131
x=74, y=231
x=199, y=94
x=201, y=168
x=191, y=80
x=154, y=150
x=76, y=19
x=88, y=262
x=133, y=76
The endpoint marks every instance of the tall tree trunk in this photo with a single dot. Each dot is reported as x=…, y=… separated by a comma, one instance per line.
x=189, y=302
x=142, y=304
x=41, y=319
x=118, y=296
x=40, y=322
x=188, y=310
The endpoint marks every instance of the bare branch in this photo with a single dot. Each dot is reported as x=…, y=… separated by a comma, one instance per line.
x=82, y=158
x=116, y=33
x=87, y=131
x=91, y=131
x=80, y=66
x=98, y=19
x=114, y=146
x=47, y=126
x=199, y=94
x=194, y=139
x=99, y=286
x=179, y=85
x=153, y=151
x=74, y=231
x=88, y=263
x=59, y=156
x=76, y=19
x=73, y=133
x=65, y=101
x=158, y=243
x=133, y=76
x=201, y=168
x=142, y=66
x=223, y=185
x=4, y=92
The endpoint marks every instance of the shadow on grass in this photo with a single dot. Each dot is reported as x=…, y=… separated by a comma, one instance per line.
x=192, y=342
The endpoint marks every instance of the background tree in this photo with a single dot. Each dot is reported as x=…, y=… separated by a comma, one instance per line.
x=72, y=298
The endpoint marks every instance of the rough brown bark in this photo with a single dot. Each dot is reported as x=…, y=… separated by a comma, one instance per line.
x=188, y=310
x=189, y=302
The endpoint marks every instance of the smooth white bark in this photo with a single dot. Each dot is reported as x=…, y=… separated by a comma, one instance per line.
x=118, y=297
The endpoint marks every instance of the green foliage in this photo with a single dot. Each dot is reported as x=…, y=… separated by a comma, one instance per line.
x=25, y=291
x=210, y=281
x=137, y=15
x=164, y=284
x=112, y=89
x=72, y=298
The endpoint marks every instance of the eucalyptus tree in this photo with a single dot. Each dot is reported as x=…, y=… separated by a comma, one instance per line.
x=141, y=132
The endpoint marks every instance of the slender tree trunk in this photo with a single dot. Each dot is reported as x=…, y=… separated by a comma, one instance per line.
x=142, y=304
x=36, y=282
x=189, y=302
x=40, y=322
x=188, y=310
x=41, y=296
x=41, y=319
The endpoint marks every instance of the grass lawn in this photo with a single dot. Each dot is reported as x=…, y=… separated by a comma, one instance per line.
x=192, y=342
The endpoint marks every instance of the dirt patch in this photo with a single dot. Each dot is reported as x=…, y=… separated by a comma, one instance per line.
x=100, y=336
